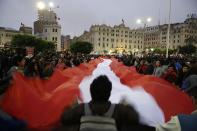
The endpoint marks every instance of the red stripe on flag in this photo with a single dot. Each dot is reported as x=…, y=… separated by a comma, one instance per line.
x=41, y=102
x=171, y=100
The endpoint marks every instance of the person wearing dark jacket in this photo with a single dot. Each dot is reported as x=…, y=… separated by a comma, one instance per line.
x=150, y=68
x=125, y=116
x=170, y=75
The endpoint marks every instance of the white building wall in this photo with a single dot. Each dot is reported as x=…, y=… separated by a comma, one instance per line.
x=51, y=29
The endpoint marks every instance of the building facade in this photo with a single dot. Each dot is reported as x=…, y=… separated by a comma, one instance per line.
x=119, y=39
x=47, y=27
x=156, y=36
x=6, y=34
x=65, y=42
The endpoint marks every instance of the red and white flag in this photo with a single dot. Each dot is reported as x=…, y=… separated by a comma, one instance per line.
x=41, y=102
x=154, y=99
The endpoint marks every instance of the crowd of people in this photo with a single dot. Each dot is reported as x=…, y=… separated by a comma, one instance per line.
x=181, y=72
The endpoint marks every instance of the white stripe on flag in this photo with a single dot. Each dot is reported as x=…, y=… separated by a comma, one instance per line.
x=149, y=111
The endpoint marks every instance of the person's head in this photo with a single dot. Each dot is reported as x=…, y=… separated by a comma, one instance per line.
x=100, y=89
x=60, y=60
x=185, y=68
x=19, y=61
x=141, y=62
x=158, y=63
x=148, y=61
x=171, y=67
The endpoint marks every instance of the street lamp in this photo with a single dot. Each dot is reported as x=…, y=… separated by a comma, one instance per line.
x=140, y=21
x=51, y=4
x=41, y=5
x=149, y=19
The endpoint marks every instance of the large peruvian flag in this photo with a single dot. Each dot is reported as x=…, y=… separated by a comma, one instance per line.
x=41, y=102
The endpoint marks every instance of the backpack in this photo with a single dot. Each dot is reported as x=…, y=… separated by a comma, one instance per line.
x=90, y=122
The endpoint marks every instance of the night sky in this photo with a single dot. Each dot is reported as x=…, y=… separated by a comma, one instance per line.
x=78, y=15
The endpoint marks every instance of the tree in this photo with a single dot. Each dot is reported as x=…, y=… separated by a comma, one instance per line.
x=22, y=41
x=81, y=47
x=157, y=51
x=187, y=49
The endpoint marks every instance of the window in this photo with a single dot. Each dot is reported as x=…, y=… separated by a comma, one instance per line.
x=99, y=39
x=121, y=40
x=103, y=44
x=45, y=38
x=112, y=46
x=107, y=44
x=99, y=44
x=45, y=30
x=107, y=39
x=112, y=40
